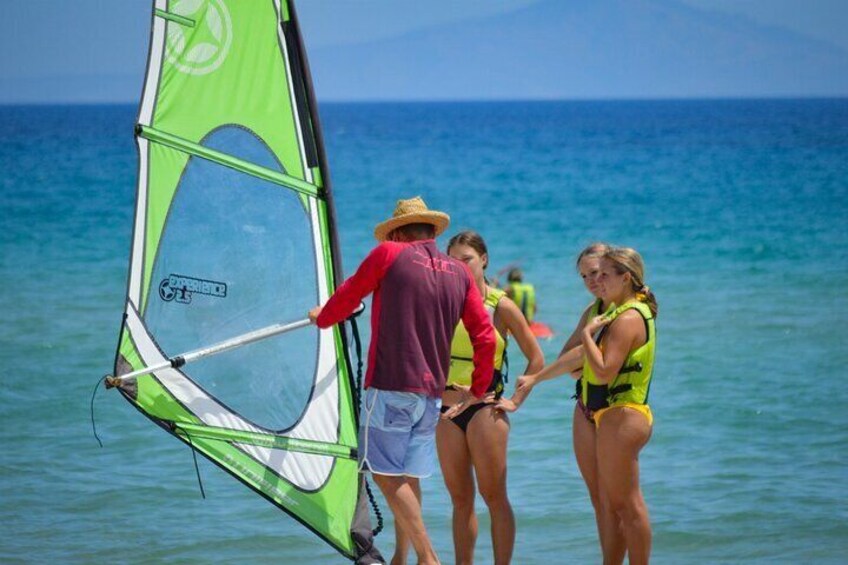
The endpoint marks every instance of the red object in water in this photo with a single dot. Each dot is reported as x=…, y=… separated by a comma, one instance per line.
x=541, y=331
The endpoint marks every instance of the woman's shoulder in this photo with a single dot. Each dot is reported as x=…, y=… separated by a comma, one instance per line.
x=495, y=295
x=507, y=306
x=627, y=315
x=629, y=323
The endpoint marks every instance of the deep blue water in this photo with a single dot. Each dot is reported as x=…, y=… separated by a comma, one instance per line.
x=738, y=207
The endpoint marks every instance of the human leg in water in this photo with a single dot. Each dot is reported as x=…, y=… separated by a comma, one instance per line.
x=400, y=494
x=487, y=435
x=622, y=433
x=402, y=542
x=585, y=451
x=458, y=474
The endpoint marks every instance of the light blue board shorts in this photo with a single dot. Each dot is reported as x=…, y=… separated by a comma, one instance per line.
x=397, y=435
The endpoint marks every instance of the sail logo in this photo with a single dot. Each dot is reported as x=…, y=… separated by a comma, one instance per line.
x=180, y=288
x=200, y=49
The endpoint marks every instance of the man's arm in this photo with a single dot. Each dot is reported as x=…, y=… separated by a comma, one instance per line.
x=363, y=282
x=482, y=334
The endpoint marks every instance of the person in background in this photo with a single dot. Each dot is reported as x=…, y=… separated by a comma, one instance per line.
x=420, y=295
x=522, y=293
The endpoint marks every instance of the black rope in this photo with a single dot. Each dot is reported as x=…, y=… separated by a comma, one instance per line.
x=93, y=424
x=357, y=342
x=376, y=508
x=194, y=456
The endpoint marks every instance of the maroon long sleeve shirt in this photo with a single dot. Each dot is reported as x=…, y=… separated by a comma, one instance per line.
x=420, y=294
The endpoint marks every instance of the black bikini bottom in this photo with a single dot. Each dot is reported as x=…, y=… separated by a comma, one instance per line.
x=465, y=416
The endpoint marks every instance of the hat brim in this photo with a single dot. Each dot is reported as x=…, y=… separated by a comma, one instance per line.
x=439, y=220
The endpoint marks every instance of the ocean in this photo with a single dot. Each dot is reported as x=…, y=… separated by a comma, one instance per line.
x=739, y=208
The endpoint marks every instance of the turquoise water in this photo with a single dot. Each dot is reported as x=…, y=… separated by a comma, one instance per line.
x=739, y=208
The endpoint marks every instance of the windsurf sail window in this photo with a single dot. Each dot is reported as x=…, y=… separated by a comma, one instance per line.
x=234, y=232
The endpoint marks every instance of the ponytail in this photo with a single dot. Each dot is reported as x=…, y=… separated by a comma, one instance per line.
x=628, y=260
x=645, y=295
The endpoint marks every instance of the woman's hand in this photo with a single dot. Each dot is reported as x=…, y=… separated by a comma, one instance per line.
x=525, y=384
x=596, y=323
x=523, y=387
x=506, y=405
x=467, y=400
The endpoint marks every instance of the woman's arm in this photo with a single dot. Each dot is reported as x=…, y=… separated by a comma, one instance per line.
x=565, y=363
x=574, y=339
x=620, y=339
x=570, y=359
x=515, y=323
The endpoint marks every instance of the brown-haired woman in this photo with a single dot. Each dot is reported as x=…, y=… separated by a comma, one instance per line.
x=473, y=443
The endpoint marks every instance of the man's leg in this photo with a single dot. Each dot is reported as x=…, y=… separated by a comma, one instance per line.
x=400, y=493
x=401, y=539
x=393, y=448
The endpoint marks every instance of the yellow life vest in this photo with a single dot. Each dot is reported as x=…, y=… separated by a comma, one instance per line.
x=524, y=295
x=633, y=380
x=594, y=390
x=462, y=352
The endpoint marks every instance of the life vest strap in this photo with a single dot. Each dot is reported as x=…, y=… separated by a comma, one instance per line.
x=496, y=386
x=458, y=358
x=624, y=387
x=597, y=397
x=619, y=389
x=632, y=369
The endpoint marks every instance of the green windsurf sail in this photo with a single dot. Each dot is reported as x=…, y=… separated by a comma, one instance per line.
x=234, y=241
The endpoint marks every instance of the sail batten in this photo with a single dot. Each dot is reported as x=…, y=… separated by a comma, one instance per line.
x=197, y=150
x=227, y=119
x=174, y=17
x=267, y=440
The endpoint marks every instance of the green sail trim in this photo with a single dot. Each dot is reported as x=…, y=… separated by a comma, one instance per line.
x=194, y=431
x=197, y=150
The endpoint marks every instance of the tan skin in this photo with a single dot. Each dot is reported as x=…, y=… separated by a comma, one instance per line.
x=584, y=433
x=481, y=451
x=402, y=493
x=622, y=432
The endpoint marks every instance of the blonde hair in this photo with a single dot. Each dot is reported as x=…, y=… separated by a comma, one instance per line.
x=596, y=249
x=628, y=260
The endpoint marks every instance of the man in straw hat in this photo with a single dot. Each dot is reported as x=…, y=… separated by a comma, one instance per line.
x=420, y=294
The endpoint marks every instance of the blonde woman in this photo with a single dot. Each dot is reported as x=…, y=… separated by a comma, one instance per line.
x=617, y=352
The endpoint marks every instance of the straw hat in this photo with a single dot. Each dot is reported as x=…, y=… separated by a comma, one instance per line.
x=412, y=211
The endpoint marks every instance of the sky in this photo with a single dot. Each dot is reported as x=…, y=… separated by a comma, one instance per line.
x=826, y=20
x=54, y=51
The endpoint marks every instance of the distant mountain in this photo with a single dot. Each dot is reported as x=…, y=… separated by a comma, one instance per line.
x=586, y=49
